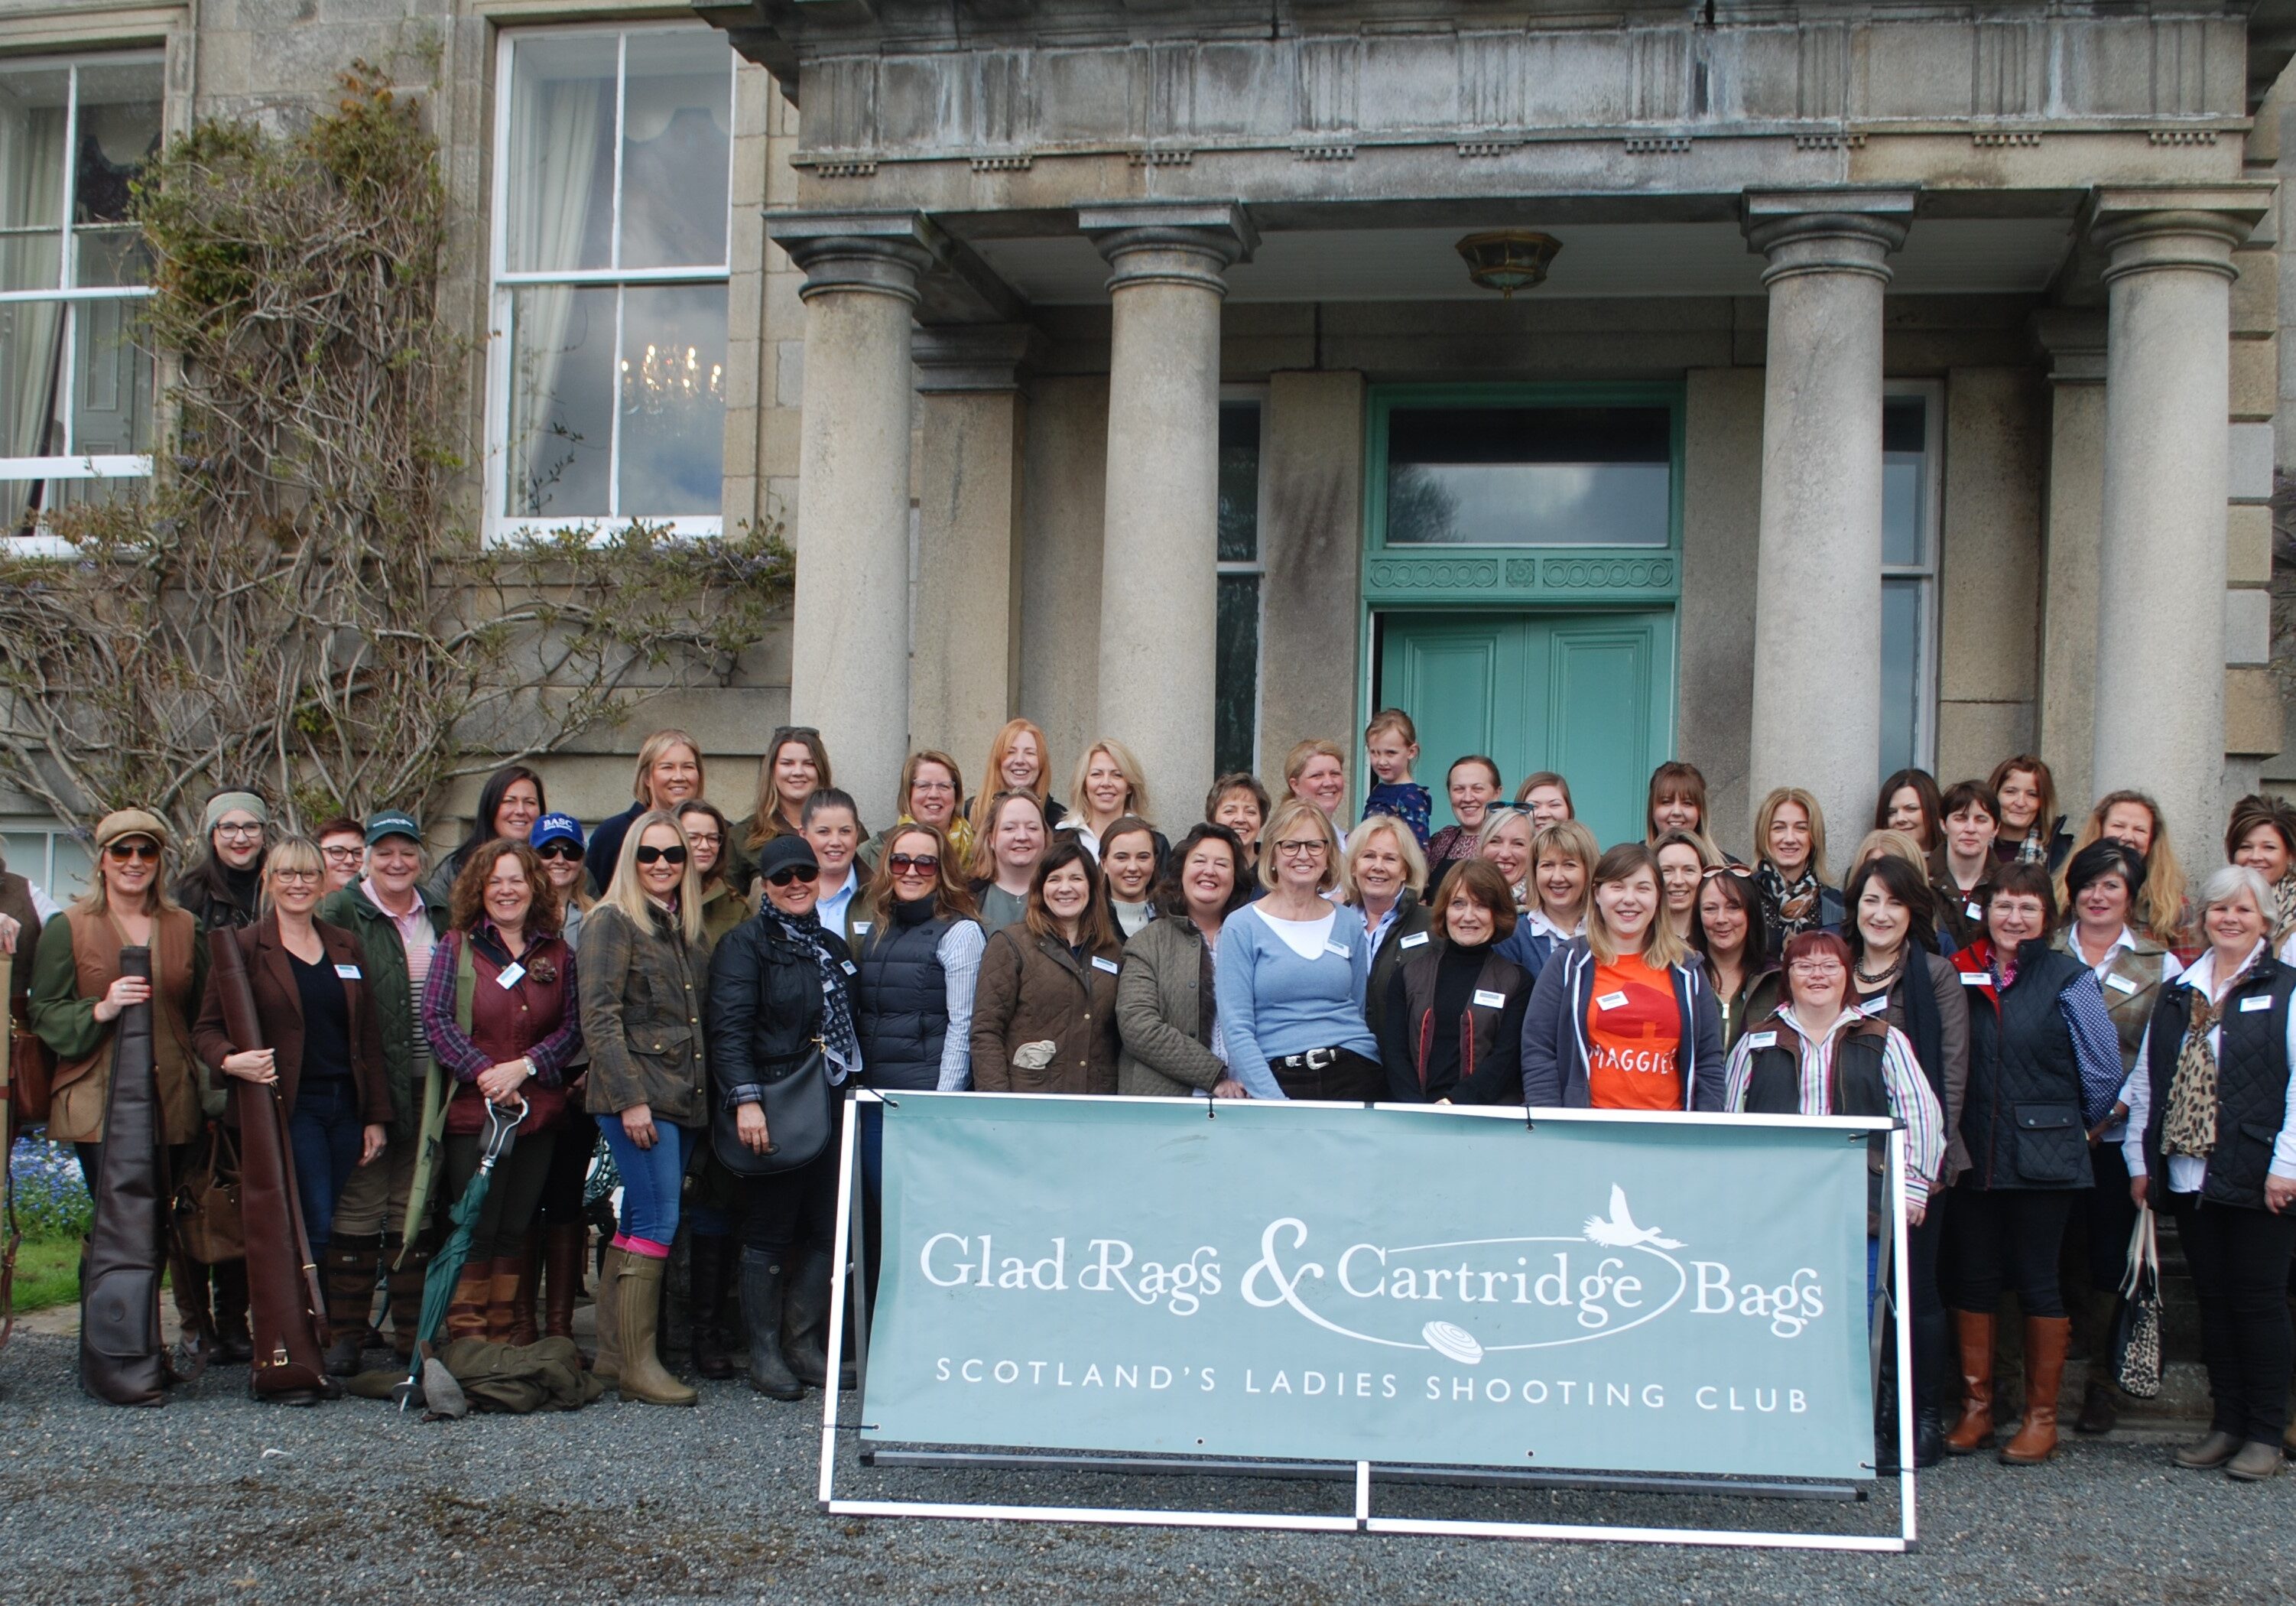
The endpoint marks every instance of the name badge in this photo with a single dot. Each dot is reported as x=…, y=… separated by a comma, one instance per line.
x=1975, y=978
x=860, y=928
x=1610, y=1001
x=510, y=975
x=2120, y=983
x=1417, y=939
x=2249, y=1006
x=350, y=973
x=1761, y=1040
x=1339, y=948
x=1972, y=912
x=1099, y=963
x=851, y=968
x=1489, y=999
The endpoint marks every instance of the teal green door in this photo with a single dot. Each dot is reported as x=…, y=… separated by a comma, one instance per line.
x=1589, y=696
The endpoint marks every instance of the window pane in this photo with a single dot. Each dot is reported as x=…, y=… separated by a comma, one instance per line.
x=1239, y=481
x=1903, y=605
x=1529, y=476
x=1904, y=480
x=113, y=380
x=673, y=400
x=32, y=377
x=676, y=142
x=561, y=402
x=1235, y=717
x=34, y=104
x=559, y=188
x=118, y=132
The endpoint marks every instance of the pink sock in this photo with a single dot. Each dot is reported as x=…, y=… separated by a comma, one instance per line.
x=645, y=1247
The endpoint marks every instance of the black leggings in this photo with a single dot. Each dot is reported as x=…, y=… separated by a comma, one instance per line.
x=1937, y=1366
x=570, y=1170
x=516, y=1188
x=1998, y=1239
x=793, y=1211
x=2239, y=1259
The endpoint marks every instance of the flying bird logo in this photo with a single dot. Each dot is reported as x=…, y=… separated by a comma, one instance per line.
x=1619, y=1233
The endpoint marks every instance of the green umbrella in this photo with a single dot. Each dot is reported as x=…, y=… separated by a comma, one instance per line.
x=447, y=1267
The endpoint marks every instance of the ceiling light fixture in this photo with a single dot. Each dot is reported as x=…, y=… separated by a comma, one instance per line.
x=1508, y=259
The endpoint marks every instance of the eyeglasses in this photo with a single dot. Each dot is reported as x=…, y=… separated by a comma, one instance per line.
x=793, y=872
x=922, y=864
x=122, y=852
x=1307, y=849
x=933, y=786
x=705, y=839
x=238, y=831
x=342, y=856
x=649, y=856
x=295, y=876
x=1815, y=966
x=561, y=849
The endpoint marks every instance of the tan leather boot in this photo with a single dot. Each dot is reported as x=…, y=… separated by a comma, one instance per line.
x=2046, y=1338
x=639, y=1296
x=607, y=1368
x=1974, y=1431
x=466, y=1311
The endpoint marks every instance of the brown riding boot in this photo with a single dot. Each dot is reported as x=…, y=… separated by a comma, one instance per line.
x=348, y=1268
x=405, y=1267
x=527, y=1259
x=607, y=1367
x=467, y=1310
x=2046, y=1338
x=1974, y=1431
x=503, y=1272
x=563, y=1251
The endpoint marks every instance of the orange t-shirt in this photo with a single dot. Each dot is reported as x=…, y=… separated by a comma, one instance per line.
x=1633, y=1029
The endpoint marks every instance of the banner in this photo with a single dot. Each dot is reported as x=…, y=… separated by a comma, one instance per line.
x=1404, y=1286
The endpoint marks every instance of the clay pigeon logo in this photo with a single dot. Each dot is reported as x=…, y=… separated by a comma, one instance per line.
x=1619, y=1233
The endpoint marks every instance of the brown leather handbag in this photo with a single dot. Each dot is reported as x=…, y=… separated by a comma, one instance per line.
x=31, y=1072
x=208, y=1220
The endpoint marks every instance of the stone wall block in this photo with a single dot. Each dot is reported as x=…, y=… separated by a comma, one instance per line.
x=2252, y=713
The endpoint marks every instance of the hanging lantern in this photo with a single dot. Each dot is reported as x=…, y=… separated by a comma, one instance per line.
x=1508, y=259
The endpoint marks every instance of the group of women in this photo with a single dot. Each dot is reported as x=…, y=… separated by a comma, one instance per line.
x=2066, y=1036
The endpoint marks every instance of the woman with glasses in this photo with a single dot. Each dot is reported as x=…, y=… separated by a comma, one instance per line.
x=707, y=832
x=556, y=840
x=930, y=788
x=1044, y=1018
x=2044, y=1073
x=1790, y=870
x=342, y=850
x=78, y=995
x=668, y=773
x=1733, y=949
x=321, y=1045
x=1005, y=857
x=779, y=988
x=1292, y=970
x=795, y=766
x=223, y=891
x=499, y=1007
x=509, y=803
x=1621, y=1017
x=646, y=964
x=1895, y=978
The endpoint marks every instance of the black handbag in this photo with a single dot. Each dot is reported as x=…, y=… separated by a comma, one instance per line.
x=801, y=1116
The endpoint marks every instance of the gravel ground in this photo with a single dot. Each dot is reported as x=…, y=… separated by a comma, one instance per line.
x=214, y=1498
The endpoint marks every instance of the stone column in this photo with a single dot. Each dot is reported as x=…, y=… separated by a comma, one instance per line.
x=1818, y=602
x=2073, y=340
x=2160, y=553
x=964, y=665
x=849, y=647
x=1161, y=538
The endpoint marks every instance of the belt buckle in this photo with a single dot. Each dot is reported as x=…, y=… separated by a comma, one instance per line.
x=1322, y=1060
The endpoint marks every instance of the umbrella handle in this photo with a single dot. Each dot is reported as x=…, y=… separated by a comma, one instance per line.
x=500, y=1130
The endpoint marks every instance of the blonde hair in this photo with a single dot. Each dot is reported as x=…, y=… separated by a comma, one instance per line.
x=1395, y=719
x=1295, y=763
x=1897, y=844
x=651, y=749
x=97, y=898
x=1292, y=811
x=1661, y=950
x=2159, y=907
x=291, y=853
x=624, y=892
x=1567, y=839
x=1769, y=811
x=765, y=819
x=1136, y=799
x=980, y=863
x=1495, y=821
x=1407, y=847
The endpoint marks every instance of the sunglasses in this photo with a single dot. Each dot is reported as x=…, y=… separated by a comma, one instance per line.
x=924, y=864
x=791, y=733
x=562, y=849
x=122, y=852
x=649, y=856
x=1739, y=870
x=793, y=872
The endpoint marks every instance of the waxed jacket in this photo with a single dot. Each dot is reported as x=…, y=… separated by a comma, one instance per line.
x=1044, y=1021
x=643, y=994
x=1164, y=1014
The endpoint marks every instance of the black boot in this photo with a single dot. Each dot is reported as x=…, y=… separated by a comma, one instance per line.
x=1929, y=1436
x=805, y=1324
x=706, y=1279
x=233, y=1346
x=762, y=1310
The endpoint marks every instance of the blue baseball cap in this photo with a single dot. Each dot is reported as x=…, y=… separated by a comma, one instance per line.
x=555, y=827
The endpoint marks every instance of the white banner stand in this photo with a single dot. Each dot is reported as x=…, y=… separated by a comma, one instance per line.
x=845, y=1258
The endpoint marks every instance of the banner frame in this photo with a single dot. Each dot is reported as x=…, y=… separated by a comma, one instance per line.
x=1362, y=1521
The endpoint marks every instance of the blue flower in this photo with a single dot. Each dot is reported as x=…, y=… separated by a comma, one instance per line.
x=52, y=1199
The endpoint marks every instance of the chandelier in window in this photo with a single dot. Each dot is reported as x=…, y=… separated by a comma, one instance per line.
x=671, y=380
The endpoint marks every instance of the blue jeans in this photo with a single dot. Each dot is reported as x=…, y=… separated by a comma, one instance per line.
x=652, y=1178
x=326, y=1130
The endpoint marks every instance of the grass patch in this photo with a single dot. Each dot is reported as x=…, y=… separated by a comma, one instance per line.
x=47, y=1273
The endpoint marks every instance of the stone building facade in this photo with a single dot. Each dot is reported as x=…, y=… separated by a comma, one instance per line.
x=1902, y=387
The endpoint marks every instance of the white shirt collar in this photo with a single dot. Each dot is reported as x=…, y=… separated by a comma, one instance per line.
x=1540, y=923
x=1849, y=1018
x=2202, y=972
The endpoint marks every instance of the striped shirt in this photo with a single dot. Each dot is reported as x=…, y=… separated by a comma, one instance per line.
x=1911, y=1099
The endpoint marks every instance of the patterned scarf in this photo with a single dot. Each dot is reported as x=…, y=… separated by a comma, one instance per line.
x=1787, y=910
x=837, y=1040
x=2283, y=906
x=2190, y=1125
x=2035, y=848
